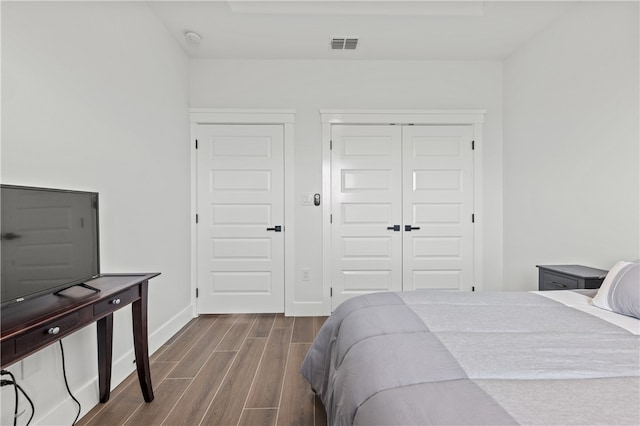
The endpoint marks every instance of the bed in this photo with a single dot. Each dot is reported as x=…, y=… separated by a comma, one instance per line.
x=438, y=357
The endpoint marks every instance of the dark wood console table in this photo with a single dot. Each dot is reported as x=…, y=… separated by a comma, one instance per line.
x=34, y=324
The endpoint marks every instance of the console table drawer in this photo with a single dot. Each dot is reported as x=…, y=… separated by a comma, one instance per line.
x=50, y=332
x=7, y=350
x=115, y=302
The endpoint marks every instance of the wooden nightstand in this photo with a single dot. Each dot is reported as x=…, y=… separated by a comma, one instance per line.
x=569, y=277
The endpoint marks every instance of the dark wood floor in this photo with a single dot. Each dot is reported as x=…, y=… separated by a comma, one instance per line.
x=224, y=370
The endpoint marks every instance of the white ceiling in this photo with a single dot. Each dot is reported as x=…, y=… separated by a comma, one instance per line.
x=394, y=30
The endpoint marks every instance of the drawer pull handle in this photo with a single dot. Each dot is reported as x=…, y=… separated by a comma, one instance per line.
x=557, y=284
x=115, y=302
x=53, y=330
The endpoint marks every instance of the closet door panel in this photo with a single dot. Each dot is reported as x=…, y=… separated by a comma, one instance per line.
x=437, y=207
x=365, y=202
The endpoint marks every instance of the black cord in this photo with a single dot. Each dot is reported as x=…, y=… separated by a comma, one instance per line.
x=33, y=409
x=15, y=390
x=17, y=387
x=66, y=383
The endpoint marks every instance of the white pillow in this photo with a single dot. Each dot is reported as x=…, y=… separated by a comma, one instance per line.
x=620, y=290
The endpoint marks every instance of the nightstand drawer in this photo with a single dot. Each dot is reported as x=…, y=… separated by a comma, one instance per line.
x=557, y=282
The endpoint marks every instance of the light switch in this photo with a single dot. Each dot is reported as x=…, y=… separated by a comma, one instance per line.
x=306, y=199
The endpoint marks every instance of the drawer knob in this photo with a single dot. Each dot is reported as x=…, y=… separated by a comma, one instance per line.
x=53, y=330
x=115, y=302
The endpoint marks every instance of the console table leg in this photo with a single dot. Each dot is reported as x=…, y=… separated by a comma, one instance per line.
x=140, y=342
x=105, y=345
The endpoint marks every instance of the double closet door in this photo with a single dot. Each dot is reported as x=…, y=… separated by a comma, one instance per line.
x=401, y=208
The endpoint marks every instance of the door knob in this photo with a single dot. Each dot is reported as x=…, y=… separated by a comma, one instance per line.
x=395, y=228
x=276, y=228
x=410, y=228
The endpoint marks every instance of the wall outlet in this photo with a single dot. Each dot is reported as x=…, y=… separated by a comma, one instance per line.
x=306, y=275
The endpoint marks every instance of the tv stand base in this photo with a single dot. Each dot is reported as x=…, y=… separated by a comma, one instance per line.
x=84, y=285
x=87, y=286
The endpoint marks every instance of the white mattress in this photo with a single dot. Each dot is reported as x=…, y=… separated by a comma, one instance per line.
x=582, y=303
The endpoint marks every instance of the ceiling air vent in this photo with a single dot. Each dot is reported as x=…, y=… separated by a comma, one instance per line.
x=343, y=43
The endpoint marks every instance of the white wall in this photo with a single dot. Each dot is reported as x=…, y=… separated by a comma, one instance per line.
x=571, y=189
x=95, y=97
x=308, y=86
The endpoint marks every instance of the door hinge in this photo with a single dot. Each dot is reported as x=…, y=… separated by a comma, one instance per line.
x=473, y=288
x=331, y=218
x=196, y=143
x=473, y=145
x=196, y=218
x=473, y=218
x=197, y=292
x=330, y=145
x=330, y=291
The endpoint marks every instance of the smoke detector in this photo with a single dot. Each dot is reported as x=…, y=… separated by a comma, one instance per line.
x=192, y=37
x=344, y=43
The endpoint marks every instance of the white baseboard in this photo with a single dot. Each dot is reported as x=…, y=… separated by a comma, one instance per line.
x=309, y=309
x=170, y=328
x=64, y=412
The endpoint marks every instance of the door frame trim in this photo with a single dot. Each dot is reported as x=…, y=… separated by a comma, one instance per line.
x=330, y=117
x=284, y=117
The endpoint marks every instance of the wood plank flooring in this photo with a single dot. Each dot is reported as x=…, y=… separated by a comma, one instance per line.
x=224, y=370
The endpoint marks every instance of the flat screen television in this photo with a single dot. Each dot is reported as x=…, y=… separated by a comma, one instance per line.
x=50, y=241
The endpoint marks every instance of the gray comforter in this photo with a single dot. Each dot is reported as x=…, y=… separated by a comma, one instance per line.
x=422, y=358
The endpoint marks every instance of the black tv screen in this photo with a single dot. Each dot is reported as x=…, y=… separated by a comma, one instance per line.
x=49, y=240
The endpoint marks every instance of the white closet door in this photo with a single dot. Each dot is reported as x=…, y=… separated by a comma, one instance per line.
x=365, y=201
x=437, y=207
x=240, y=190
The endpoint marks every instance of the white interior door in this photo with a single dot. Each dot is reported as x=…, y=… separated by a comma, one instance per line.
x=240, y=191
x=437, y=207
x=366, y=201
x=401, y=206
